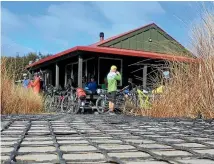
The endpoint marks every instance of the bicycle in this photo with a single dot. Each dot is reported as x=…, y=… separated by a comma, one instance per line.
x=103, y=101
x=53, y=99
x=72, y=102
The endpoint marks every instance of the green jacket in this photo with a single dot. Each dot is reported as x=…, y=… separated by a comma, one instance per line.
x=112, y=81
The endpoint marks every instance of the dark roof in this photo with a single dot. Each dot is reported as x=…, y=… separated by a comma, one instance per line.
x=97, y=48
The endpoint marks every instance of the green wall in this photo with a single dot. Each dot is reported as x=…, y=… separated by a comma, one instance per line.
x=140, y=40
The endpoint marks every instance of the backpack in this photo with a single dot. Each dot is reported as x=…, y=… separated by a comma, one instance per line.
x=80, y=93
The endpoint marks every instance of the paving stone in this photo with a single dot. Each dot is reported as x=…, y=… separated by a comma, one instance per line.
x=172, y=153
x=65, y=131
x=172, y=140
x=155, y=146
x=77, y=148
x=115, y=146
x=113, y=130
x=199, y=138
x=37, y=157
x=13, y=132
x=129, y=155
x=72, y=142
x=4, y=143
x=9, y=138
x=39, y=128
x=38, y=131
x=196, y=161
x=4, y=157
x=37, y=142
x=88, y=156
x=210, y=142
x=17, y=128
x=190, y=145
x=206, y=151
x=67, y=137
x=36, y=138
x=6, y=149
x=146, y=162
x=107, y=141
x=37, y=149
x=100, y=137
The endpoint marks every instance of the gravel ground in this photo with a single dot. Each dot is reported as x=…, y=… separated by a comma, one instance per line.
x=98, y=139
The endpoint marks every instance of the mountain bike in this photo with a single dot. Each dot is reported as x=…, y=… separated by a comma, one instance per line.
x=102, y=103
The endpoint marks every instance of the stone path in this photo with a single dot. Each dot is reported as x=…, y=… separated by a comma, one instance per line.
x=98, y=139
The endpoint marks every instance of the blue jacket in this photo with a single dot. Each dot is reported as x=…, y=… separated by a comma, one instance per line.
x=92, y=86
x=25, y=83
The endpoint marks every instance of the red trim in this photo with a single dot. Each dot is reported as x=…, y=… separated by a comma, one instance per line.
x=116, y=51
x=135, y=53
x=53, y=57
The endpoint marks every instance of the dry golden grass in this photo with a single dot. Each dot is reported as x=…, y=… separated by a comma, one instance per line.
x=14, y=98
x=190, y=92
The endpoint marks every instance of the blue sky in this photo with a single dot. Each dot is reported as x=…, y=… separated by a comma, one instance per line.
x=51, y=27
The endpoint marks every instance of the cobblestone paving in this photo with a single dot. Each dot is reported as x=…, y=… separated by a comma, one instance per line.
x=98, y=139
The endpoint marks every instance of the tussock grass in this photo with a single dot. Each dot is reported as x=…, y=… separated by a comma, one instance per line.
x=14, y=98
x=190, y=91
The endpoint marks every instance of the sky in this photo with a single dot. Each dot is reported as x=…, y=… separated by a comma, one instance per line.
x=51, y=27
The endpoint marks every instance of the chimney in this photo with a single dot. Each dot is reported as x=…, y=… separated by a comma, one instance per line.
x=101, y=36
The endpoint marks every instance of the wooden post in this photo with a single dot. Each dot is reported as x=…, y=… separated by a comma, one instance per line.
x=65, y=76
x=57, y=76
x=45, y=78
x=144, y=76
x=30, y=75
x=86, y=69
x=80, y=71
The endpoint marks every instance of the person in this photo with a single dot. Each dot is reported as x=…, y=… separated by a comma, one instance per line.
x=112, y=77
x=92, y=85
x=91, y=88
x=129, y=87
x=105, y=84
x=26, y=81
x=36, y=83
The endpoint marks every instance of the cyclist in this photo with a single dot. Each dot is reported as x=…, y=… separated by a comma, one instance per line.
x=36, y=84
x=112, y=77
x=26, y=81
x=92, y=85
x=129, y=87
x=91, y=88
x=105, y=84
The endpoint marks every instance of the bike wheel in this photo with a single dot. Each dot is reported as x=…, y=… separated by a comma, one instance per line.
x=64, y=104
x=101, y=105
x=120, y=104
x=73, y=105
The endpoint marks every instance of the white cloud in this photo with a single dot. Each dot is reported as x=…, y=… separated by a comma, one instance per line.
x=64, y=23
x=68, y=18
